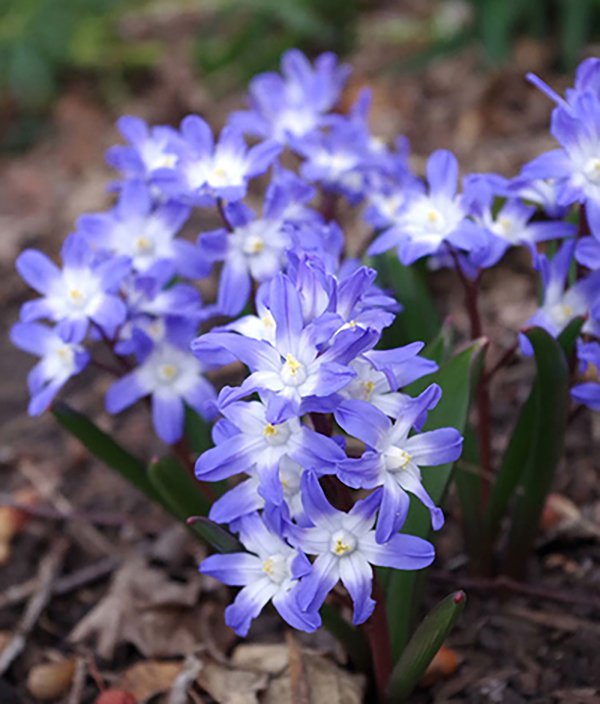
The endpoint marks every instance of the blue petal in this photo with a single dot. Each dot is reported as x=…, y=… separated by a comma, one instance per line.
x=401, y=552
x=234, y=569
x=37, y=270
x=168, y=417
x=362, y=420
x=357, y=576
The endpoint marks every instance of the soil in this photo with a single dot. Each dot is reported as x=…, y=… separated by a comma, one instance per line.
x=537, y=641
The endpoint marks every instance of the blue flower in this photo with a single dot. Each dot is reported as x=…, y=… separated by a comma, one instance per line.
x=62, y=357
x=268, y=572
x=429, y=220
x=561, y=302
x=296, y=366
x=84, y=290
x=575, y=166
x=206, y=170
x=393, y=459
x=345, y=546
x=151, y=149
x=145, y=232
x=588, y=391
x=257, y=439
x=292, y=104
x=255, y=248
x=172, y=377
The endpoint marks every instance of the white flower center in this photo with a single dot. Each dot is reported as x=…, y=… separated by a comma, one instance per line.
x=77, y=297
x=276, y=434
x=342, y=543
x=396, y=459
x=253, y=244
x=168, y=372
x=144, y=245
x=293, y=372
x=276, y=568
x=367, y=389
x=591, y=170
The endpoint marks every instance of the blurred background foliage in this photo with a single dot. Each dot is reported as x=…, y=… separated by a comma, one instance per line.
x=44, y=43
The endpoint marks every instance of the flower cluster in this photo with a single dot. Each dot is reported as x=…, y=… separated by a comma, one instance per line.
x=313, y=368
x=322, y=439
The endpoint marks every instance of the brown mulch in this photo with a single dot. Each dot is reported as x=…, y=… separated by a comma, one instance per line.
x=121, y=559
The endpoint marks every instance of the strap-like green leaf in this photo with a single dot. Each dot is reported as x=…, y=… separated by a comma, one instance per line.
x=519, y=448
x=456, y=379
x=105, y=448
x=424, y=644
x=181, y=493
x=419, y=319
x=547, y=420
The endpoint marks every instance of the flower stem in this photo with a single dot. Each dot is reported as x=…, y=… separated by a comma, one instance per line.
x=377, y=632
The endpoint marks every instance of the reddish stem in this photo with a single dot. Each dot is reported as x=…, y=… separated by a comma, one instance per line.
x=471, y=289
x=377, y=633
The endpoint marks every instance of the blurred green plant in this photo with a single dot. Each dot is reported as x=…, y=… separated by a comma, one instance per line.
x=245, y=37
x=570, y=23
x=40, y=39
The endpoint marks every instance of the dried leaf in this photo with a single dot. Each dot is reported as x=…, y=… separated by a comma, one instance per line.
x=143, y=607
x=145, y=680
x=329, y=684
x=444, y=664
x=269, y=658
x=50, y=679
x=229, y=685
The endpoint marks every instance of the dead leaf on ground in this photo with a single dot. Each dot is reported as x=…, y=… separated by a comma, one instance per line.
x=444, y=664
x=147, y=609
x=145, y=680
x=328, y=683
x=50, y=679
x=230, y=685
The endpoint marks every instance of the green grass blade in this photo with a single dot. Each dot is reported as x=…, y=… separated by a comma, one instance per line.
x=424, y=644
x=548, y=426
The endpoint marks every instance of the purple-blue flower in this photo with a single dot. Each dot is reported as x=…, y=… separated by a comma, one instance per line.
x=561, y=302
x=145, y=232
x=257, y=439
x=268, y=572
x=297, y=366
x=345, y=549
x=206, y=169
x=172, y=377
x=588, y=391
x=84, y=290
x=393, y=458
x=150, y=149
x=294, y=103
x=430, y=219
x=61, y=357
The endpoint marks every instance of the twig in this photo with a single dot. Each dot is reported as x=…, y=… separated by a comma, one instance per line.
x=50, y=566
x=503, y=583
x=183, y=681
x=82, y=532
x=76, y=693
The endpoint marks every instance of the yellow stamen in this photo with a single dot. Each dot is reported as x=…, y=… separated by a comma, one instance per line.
x=269, y=430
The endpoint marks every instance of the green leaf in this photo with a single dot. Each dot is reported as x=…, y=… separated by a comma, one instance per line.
x=575, y=27
x=457, y=378
x=105, y=448
x=181, y=493
x=424, y=644
x=547, y=422
x=519, y=450
x=419, y=319
x=197, y=431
